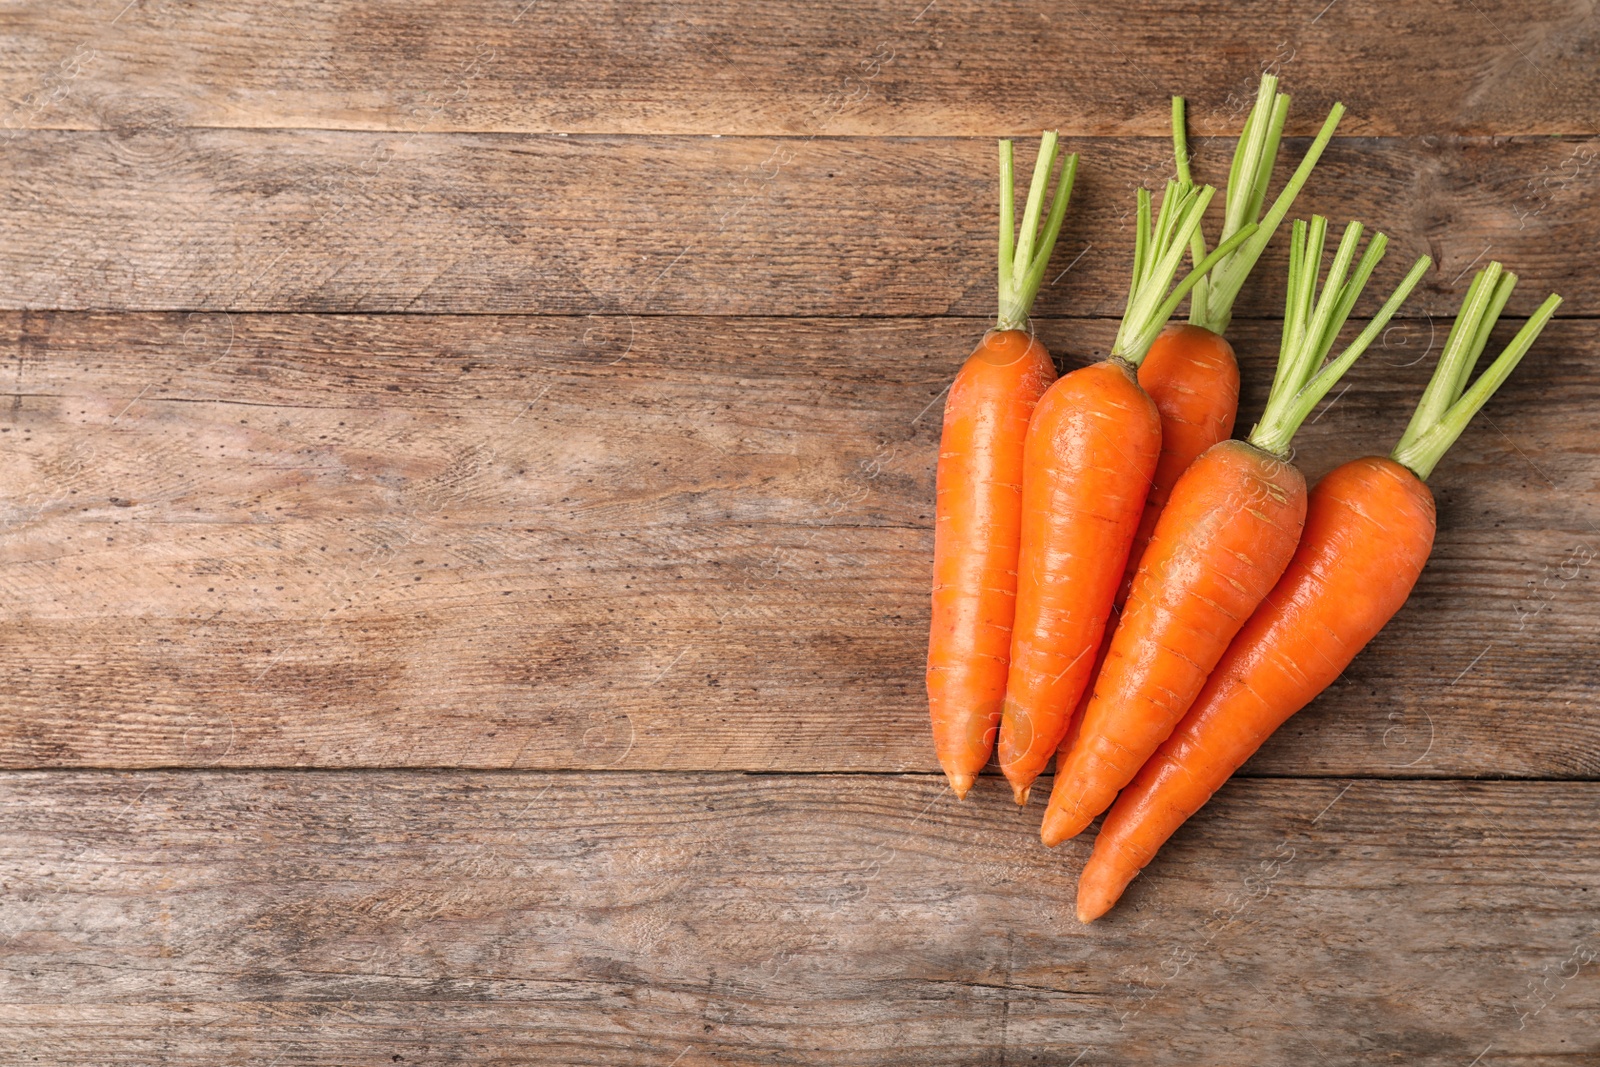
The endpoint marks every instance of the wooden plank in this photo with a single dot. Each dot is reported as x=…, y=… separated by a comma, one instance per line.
x=186, y=219
x=654, y=543
x=262, y=918
x=713, y=66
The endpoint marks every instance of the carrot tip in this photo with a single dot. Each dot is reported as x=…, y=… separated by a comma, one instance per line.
x=1088, y=914
x=960, y=784
x=1056, y=829
x=1097, y=894
x=1020, y=794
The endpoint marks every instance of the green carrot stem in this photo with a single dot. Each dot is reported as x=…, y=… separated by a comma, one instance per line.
x=1190, y=280
x=1497, y=304
x=1333, y=293
x=1008, y=219
x=1447, y=404
x=1199, y=295
x=1248, y=178
x=1180, y=148
x=1259, y=133
x=1311, y=325
x=1043, y=164
x=1313, y=392
x=1024, y=256
x=1305, y=257
x=1442, y=388
x=1158, y=249
x=1034, y=277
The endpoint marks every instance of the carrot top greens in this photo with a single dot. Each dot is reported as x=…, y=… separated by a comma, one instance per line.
x=1024, y=256
x=1211, y=303
x=1311, y=325
x=1158, y=246
x=1447, y=404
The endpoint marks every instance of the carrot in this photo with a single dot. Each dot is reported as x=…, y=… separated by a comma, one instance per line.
x=979, y=485
x=1369, y=530
x=1224, y=538
x=1190, y=371
x=1089, y=455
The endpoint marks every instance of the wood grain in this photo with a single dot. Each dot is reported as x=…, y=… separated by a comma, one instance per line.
x=831, y=68
x=432, y=387
x=345, y=918
x=655, y=543
x=160, y=217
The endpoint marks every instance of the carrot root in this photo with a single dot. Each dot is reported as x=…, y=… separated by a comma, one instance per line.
x=1369, y=527
x=1100, y=888
x=961, y=784
x=1193, y=377
x=1091, y=449
x=978, y=492
x=1218, y=548
x=979, y=508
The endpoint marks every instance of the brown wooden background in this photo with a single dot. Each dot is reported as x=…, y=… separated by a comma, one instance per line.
x=465, y=472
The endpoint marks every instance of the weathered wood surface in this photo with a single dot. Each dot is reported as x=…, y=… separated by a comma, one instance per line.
x=289, y=919
x=656, y=543
x=917, y=67
x=636, y=483
x=160, y=217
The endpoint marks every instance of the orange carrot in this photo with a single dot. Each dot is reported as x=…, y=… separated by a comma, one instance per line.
x=1369, y=530
x=979, y=494
x=1190, y=371
x=1090, y=453
x=1223, y=540
x=1192, y=376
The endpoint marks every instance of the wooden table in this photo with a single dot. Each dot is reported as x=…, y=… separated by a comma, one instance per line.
x=463, y=576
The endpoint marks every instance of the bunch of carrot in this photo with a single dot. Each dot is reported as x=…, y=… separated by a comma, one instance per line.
x=1120, y=585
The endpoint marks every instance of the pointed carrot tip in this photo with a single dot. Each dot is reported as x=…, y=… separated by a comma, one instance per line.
x=1019, y=793
x=1056, y=829
x=1095, y=900
x=1101, y=885
x=961, y=784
